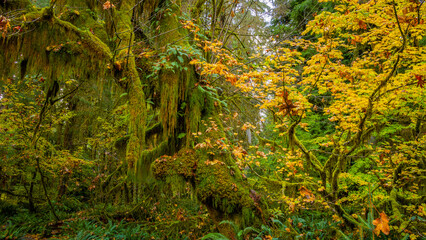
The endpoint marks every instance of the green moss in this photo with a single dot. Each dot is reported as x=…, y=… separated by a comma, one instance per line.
x=215, y=182
x=247, y=216
x=169, y=85
x=395, y=205
x=217, y=187
x=183, y=163
x=86, y=20
x=55, y=48
x=143, y=164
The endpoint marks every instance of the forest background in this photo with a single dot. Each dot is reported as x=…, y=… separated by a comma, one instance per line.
x=212, y=119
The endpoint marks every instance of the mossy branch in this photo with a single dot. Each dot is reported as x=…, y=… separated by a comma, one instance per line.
x=142, y=168
x=294, y=141
x=13, y=194
x=395, y=205
x=282, y=183
x=116, y=187
x=89, y=40
x=197, y=9
x=263, y=141
x=335, y=178
x=108, y=179
x=156, y=128
x=357, y=139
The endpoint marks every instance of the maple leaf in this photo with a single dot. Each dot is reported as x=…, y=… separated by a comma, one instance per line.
x=420, y=81
x=287, y=106
x=310, y=197
x=4, y=25
x=261, y=154
x=362, y=25
x=3, y=22
x=231, y=78
x=382, y=224
x=108, y=5
x=239, y=152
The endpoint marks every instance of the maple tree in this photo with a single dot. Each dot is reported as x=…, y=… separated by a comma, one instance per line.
x=366, y=67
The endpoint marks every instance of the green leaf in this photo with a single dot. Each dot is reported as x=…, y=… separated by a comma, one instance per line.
x=180, y=59
x=278, y=222
x=214, y=236
x=248, y=230
x=181, y=135
x=343, y=235
x=230, y=223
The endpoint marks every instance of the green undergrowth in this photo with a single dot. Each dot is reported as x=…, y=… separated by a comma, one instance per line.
x=169, y=218
x=294, y=227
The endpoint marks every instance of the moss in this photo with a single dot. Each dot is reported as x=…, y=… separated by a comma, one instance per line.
x=247, y=216
x=90, y=41
x=218, y=188
x=119, y=20
x=86, y=20
x=183, y=163
x=395, y=205
x=141, y=171
x=215, y=182
x=169, y=85
x=59, y=51
x=197, y=9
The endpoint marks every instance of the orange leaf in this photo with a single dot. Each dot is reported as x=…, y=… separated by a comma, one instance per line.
x=108, y=5
x=420, y=81
x=382, y=224
x=310, y=197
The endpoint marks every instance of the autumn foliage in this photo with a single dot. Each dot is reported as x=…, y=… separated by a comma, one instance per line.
x=181, y=120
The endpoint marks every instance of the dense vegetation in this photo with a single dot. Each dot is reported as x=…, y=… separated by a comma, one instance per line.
x=212, y=119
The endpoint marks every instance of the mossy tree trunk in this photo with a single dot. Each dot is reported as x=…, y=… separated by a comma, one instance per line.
x=64, y=43
x=94, y=43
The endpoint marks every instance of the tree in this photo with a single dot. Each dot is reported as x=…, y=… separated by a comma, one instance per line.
x=364, y=70
x=143, y=48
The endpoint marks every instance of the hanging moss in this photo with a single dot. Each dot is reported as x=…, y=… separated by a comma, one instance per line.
x=169, y=85
x=142, y=168
x=55, y=48
x=120, y=28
